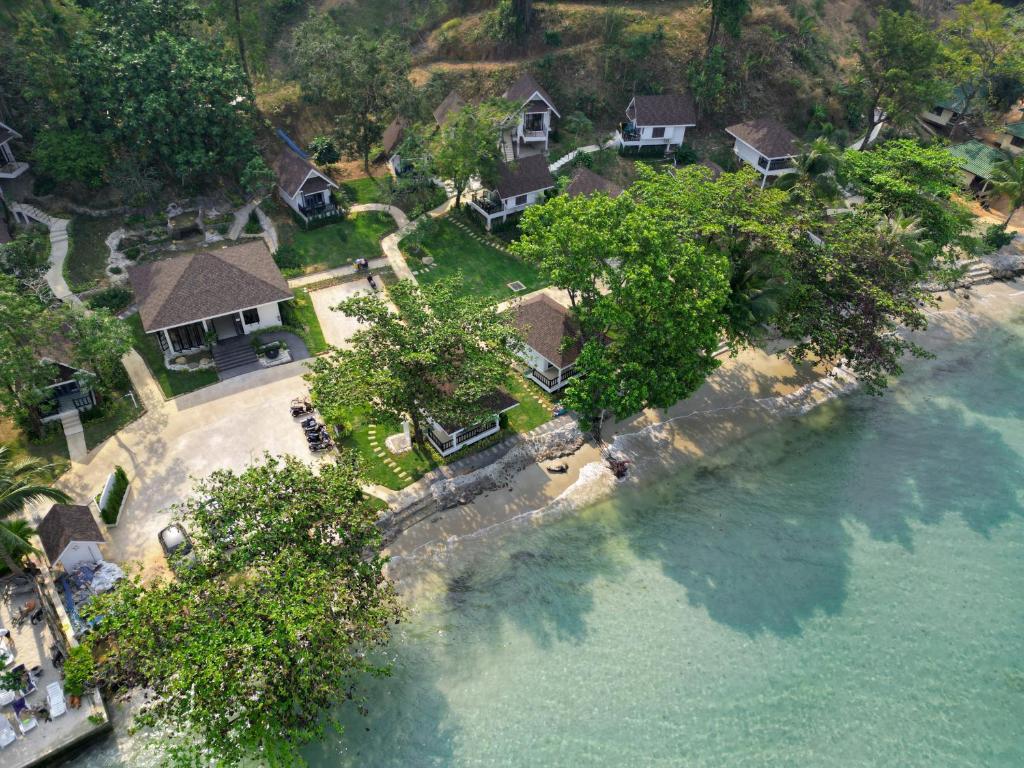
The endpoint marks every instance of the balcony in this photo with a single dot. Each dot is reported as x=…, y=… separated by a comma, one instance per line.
x=317, y=212
x=629, y=132
x=553, y=379
x=12, y=170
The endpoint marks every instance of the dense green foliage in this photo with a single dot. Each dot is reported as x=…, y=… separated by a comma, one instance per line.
x=20, y=484
x=79, y=670
x=26, y=258
x=110, y=510
x=268, y=628
x=437, y=354
x=466, y=146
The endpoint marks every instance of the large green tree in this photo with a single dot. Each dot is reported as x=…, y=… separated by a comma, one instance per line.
x=899, y=70
x=25, y=258
x=363, y=79
x=1008, y=180
x=98, y=341
x=21, y=483
x=437, y=353
x=726, y=15
x=249, y=650
x=467, y=144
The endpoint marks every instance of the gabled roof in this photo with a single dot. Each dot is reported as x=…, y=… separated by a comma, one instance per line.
x=546, y=324
x=7, y=133
x=977, y=158
x=65, y=523
x=1014, y=129
x=495, y=402
x=526, y=89
x=586, y=182
x=666, y=109
x=768, y=136
x=292, y=171
x=956, y=101
x=528, y=174
x=452, y=103
x=205, y=284
x=394, y=134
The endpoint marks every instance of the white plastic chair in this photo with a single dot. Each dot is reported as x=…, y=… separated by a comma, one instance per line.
x=27, y=725
x=7, y=734
x=55, y=699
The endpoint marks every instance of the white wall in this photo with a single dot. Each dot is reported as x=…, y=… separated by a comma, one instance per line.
x=941, y=116
x=77, y=553
x=749, y=155
x=1007, y=146
x=532, y=198
x=534, y=359
x=270, y=315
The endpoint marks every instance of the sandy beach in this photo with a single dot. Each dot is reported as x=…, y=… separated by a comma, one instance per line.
x=749, y=392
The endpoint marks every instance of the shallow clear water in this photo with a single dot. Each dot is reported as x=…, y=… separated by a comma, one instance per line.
x=844, y=590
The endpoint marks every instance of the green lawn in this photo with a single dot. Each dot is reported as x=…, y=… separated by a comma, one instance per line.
x=485, y=271
x=52, y=448
x=100, y=423
x=368, y=190
x=86, y=264
x=299, y=316
x=530, y=413
x=341, y=243
x=171, y=382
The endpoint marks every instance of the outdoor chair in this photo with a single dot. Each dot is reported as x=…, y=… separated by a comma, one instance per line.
x=55, y=699
x=7, y=734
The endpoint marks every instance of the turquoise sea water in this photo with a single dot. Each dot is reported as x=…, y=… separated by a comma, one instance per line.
x=844, y=590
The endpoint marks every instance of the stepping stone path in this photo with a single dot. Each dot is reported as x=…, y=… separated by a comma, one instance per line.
x=388, y=461
x=490, y=241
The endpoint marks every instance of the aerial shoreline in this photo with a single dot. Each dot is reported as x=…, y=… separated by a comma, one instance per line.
x=750, y=392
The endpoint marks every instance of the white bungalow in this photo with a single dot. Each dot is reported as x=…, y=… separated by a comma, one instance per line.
x=448, y=438
x=390, y=142
x=70, y=536
x=305, y=189
x=519, y=186
x=70, y=389
x=1011, y=138
x=217, y=296
x=654, y=121
x=552, y=341
x=10, y=168
x=766, y=145
x=530, y=128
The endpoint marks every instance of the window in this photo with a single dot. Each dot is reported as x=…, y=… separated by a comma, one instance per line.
x=521, y=200
x=163, y=341
x=187, y=336
x=1017, y=141
x=251, y=316
x=658, y=133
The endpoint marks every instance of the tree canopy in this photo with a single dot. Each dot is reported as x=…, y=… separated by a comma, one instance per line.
x=467, y=144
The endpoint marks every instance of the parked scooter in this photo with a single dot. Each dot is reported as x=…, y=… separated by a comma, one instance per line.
x=323, y=445
x=309, y=423
x=301, y=407
x=318, y=435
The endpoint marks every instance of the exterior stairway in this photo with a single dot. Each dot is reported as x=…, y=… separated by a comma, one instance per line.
x=233, y=354
x=508, y=149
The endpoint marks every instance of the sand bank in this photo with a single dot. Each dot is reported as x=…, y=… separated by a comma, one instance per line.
x=748, y=393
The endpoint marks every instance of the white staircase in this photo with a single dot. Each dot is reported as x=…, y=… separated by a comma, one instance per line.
x=508, y=149
x=977, y=272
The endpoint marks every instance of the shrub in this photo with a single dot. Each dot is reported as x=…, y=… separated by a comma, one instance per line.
x=113, y=506
x=257, y=179
x=323, y=150
x=996, y=236
x=71, y=155
x=552, y=38
x=287, y=257
x=79, y=669
x=686, y=154
x=115, y=270
x=253, y=225
x=114, y=298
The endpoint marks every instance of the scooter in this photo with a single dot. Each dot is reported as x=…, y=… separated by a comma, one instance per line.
x=323, y=445
x=301, y=407
x=309, y=423
x=316, y=437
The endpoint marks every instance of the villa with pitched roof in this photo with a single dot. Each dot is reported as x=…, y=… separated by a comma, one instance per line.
x=390, y=142
x=1011, y=138
x=585, y=182
x=529, y=129
x=520, y=185
x=977, y=164
x=187, y=301
x=446, y=109
x=305, y=189
x=657, y=121
x=766, y=145
x=70, y=390
x=552, y=341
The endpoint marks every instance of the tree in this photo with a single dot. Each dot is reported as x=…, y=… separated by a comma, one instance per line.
x=99, y=340
x=25, y=258
x=1008, y=179
x=650, y=304
x=983, y=44
x=467, y=145
x=20, y=484
x=71, y=156
x=363, y=78
x=727, y=15
x=439, y=354
x=814, y=171
x=898, y=70
x=250, y=649
x=257, y=178
x=323, y=150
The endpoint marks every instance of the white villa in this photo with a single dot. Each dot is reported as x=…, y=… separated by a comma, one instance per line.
x=305, y=189
x=69, y=390
x=552, y=341
x=10, y=167
x=519, y=186
x=654, y=121
x=1011, y=138
x=529, y=129
x=766, y=145
x=449, y=438
x=70, y=536
x=218, y=295
x=392, y=139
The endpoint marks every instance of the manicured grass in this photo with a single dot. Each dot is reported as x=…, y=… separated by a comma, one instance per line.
x=368, y=190
x=171, y=382
x=100, y=423
x=52, y=448
x=535, y=405
x=86, y=264
x=416, y=462
x=485, y=271
x=299, y=316
x=341, y=243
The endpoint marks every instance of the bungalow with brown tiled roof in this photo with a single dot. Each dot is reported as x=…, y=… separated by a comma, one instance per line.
x=552, y=341
x=766, y=145
x=449, y=436
x=531, y=126
x=656, y=121
x=305, y=189
x=390, y=141
x=452, y=103
x=585, y=182
x=520, y=185
x=223, y=294
x=70, y=389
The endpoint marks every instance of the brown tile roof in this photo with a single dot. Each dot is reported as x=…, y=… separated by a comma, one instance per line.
x=522, y=90
x=65, y=523
x=315, y=184
x=586, y=182
x=768, y=136
x=528, y=174
x=546, y=325
x=292, y=171
x=393, y=134
x=205, y=284
x=665, y=109
x=452, y=103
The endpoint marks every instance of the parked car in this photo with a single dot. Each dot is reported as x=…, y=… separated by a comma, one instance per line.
x=175, y=543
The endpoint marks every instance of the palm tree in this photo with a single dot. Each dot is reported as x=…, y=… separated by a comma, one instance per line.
x=755, y=294
x=1008, y=179
x=16, y=538
x=905, y=232
x=20, y=484
x=816, y=167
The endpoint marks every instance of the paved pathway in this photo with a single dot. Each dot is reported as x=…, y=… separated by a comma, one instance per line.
x=74, y=433
x=58, y=249
x=327, y=274
x=567, y=158
x=241, y=219
x=390, y=243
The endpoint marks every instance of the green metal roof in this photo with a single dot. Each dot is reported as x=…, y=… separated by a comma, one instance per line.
x=956, y=101
x=977, y=158
x=1015, y=129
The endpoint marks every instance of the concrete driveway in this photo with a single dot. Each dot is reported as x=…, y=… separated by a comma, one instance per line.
x=225, y=426
x=338, y=328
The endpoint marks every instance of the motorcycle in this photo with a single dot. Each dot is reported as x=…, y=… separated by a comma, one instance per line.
x=323, y=445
